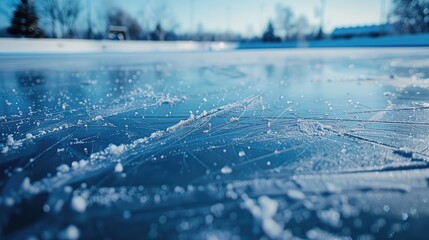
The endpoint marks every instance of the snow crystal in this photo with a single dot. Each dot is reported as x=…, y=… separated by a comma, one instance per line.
x=63, y=168
x=241, y=153
x=226, y=170
x=116, y=150
x=26, y=184
x=271, y=228
x=295, y=194
x=264, y=212
x=10, y=141
x=29, y=136
x=98, y=118
x=5, y=149
x=9, y=201
x=70, y=233
x=119, y=168
x=269, y=206
x=330, y=217
x=156, y=134
x=234, y=119
x=318, y=234
x=78, y=204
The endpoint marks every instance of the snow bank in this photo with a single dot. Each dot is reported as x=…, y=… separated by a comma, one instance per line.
x=14, y=45
x=21, y=45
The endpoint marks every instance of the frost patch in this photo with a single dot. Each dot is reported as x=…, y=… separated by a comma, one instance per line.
x=116, y=150
x=119, y=168
x=78, y=204
x=264, y=211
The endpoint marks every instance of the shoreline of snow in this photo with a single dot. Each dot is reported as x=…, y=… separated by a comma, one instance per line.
x=67, y=46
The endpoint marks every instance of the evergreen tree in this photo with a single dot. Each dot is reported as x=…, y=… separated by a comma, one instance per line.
x=158, y=34
x=25, y=21
x=269, y=35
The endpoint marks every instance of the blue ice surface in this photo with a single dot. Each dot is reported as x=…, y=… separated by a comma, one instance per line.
x=250, y=144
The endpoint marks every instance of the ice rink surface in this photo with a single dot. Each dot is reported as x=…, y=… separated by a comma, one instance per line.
x=251, y=144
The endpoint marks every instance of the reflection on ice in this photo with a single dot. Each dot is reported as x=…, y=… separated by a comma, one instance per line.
x=280, y=144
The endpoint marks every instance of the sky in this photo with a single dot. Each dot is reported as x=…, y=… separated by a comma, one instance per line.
x=251, y=16
x=247, y=17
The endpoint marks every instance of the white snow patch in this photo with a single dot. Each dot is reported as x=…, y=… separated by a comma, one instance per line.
x=182, y=123
x=116, y=150
x=264, y=212
x=78, y=204
x=98, y=118
x=70, y=233
x=156, y=134
x=29, y=136
x=119, y=168
x=234, y=119
x=5, y=149
x=330, y=217
x=295, y=194
x=269, y=206
x=26, y=184
x=241, y=153
x=63, y=168
x=319, y=234
x=10, y=141
x=226, y=170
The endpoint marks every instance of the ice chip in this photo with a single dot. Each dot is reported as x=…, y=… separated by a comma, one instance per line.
x=119, y=168
x=226, y=170
x=78, y=204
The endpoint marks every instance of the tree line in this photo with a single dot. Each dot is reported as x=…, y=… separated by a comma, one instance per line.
x=60, y=19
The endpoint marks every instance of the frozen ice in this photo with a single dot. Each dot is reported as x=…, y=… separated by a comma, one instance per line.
x=243, y=144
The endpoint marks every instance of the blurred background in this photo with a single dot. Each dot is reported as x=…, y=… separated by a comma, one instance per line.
x=206, y=20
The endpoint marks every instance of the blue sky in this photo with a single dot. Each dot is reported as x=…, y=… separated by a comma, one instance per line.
x=248, y=17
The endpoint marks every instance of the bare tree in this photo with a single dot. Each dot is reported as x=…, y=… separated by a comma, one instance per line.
x=49, y=10
x=412, y=16
x=285, y=20
x=69, y=12
x=163, y=16
x=61, y=15
x=301, y=28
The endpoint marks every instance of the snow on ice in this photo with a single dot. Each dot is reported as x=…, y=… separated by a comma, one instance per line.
x=278, y=144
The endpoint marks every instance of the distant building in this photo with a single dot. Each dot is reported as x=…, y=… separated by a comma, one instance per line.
x=362, y=31
x=118, y=33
